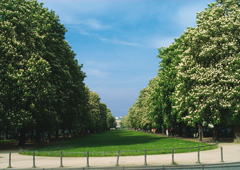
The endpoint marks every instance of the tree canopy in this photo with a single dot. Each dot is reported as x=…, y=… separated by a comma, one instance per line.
x=198, y=78
x=41, y=83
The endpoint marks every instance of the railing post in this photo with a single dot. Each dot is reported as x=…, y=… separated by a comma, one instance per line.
x=9, y=164
x=172, y=156
x=199, y=155
x=221, y=154
x=34, y=166
x=61, y=162
x=145, y=157
x=117, y=163
x=87, y=158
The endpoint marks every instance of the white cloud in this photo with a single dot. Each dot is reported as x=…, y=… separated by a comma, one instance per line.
x=96, y=73
x=83, y=32
x=85, y=24
x=120, y=42
x=96, y=69
x=159, y=42
x=97, y=64
x=78, y=6
x=80, y=12
x=153, y=42
x=94, y=24
x=186, y=16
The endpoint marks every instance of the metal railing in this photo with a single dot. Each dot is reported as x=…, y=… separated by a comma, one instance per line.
x=222, y=166
x=225, y=166
x=119, y=153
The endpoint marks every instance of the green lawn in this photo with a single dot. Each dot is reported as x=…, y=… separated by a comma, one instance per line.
x=108, y=143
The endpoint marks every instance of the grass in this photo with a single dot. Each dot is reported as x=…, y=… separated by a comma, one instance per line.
x=7, y=141
x=108, y=143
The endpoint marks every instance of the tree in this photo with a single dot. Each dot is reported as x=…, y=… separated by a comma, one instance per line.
x=111, y=121
x=198, y=79
x=165, y=83
x=24, y=72
x=97, y=113
x=39, y=77
x=103, y=116
x=209, y=70
x=94, y=110
x=124, y=122
x=140, y=115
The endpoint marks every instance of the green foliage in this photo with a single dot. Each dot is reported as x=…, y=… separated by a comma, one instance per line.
x=140, y=114
x=209, y=68
x=167, y=81
x=198, y=78
x=24, y=70
x=97, y=113
x=111, y=121
x=41, y=83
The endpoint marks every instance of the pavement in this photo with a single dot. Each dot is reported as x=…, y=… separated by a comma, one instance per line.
x=231, y=153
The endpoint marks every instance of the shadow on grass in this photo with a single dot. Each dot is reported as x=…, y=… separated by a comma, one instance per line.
x=105, y=139
x=108, y=143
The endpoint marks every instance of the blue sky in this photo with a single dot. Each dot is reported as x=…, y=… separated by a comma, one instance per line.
x=117, y=41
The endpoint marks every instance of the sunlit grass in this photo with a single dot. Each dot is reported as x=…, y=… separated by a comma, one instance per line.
x=127, y=141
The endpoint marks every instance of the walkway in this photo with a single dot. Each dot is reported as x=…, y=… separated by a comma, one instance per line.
x=231, y=153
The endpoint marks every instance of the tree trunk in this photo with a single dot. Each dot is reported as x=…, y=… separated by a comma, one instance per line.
x=22, y=137
x=180, y=130
x=236, y=134
x=4, y=135
x=188, y=132
x=216, y=133
x=200, y=132
x=57, y=134
x=49, y=137
x=30, y=138
x=63, y=131
x=163, y=130
x=38, y=136
x=0, y=139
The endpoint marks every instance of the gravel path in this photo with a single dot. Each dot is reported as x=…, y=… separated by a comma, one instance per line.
x=231, y=153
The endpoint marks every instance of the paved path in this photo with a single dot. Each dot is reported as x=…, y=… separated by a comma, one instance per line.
x=231, y=153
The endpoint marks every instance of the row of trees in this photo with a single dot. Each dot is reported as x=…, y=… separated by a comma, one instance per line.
x=198, y=82
x=41, y=83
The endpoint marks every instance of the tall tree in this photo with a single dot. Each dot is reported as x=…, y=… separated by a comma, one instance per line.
x=97, y=113
x=140, y=115
x=24, y=72
x=39, y=77
x=111, y=121
x=166, y=82
x=209, y=68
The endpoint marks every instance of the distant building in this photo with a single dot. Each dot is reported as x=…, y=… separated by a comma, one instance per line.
x=118, y=120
